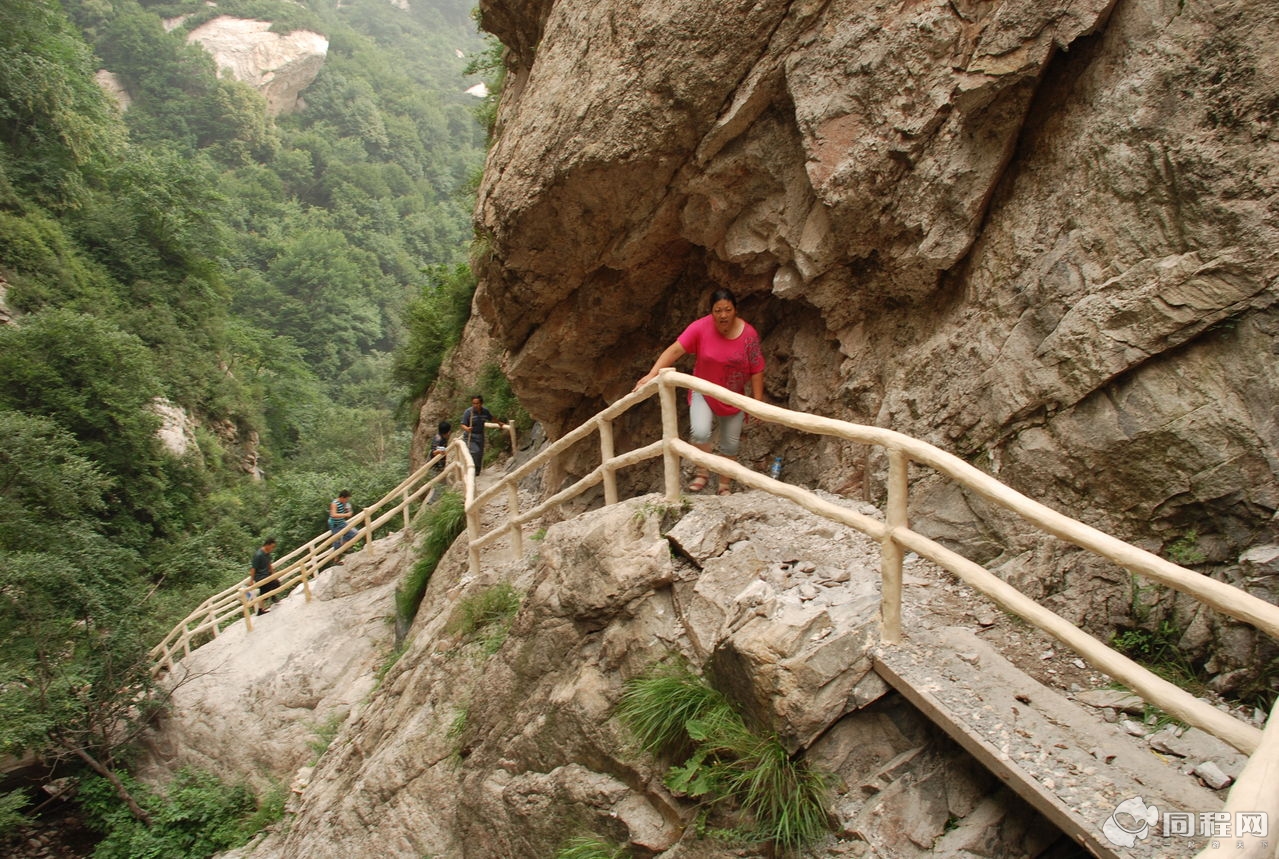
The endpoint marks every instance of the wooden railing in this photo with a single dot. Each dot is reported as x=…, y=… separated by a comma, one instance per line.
x=1255, y=790
x=299, y=566
x=896, y=537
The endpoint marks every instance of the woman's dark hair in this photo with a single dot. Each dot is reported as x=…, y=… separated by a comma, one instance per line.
x=444, y=428
x=345, y=493
x=723, y=295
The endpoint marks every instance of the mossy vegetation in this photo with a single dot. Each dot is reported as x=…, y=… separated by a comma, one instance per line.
x=1185, y=550
x=457, y=734
x=485, y=617
x=1157, y=649
x=440, y=523
x=325, y=732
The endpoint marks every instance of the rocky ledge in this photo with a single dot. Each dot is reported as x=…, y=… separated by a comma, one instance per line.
x=466, y=751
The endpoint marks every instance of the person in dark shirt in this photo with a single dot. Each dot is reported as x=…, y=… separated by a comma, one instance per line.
x=263, y=568
x=340, y=513
x=440, y=444
x=473, y=421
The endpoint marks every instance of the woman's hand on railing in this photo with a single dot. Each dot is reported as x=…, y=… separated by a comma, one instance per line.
x=644, y=380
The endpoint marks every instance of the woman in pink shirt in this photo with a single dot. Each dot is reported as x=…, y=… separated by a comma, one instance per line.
x=728, y=353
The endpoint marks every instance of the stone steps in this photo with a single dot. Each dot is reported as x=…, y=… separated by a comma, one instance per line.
x=1063, y=758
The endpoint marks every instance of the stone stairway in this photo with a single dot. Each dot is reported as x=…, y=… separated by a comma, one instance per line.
x=1104, y=788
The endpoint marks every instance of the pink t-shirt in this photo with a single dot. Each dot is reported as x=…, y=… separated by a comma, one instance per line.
x=729, y=363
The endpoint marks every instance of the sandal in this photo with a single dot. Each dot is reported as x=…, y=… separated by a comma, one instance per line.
x=725, y=487
x=699, y=482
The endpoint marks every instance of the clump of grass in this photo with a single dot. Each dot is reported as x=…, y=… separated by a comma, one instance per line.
x=591, y=847
x=388, y=662
x=486, y=617
x=1185, y=549
x=1157, y=649
x=325, y=733
x=672, y=711
x=786, y=798
x=441, y=523
x=658, y=706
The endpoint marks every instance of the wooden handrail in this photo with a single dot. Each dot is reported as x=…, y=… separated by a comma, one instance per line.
x=1254, y=792
x=893, y=533
x=896, y=537
x=297, y=567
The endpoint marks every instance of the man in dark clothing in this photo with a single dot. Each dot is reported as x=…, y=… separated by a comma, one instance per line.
x=440, y=444
x=473, y=421
x=440, y=448
x=264, y=568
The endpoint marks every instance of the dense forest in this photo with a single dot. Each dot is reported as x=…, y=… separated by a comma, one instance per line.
x=289, y=284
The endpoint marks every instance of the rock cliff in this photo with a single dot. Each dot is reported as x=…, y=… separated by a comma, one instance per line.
x=278, y=65
x=474, y=745
x=1040, y=235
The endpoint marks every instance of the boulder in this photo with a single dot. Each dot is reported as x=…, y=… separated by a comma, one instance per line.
x=278, y=65
x=1038, y=235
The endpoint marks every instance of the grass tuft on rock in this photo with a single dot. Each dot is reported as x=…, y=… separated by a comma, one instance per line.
x=486, y=616
x=777, y=798
x=591, y=847
x=440, y=523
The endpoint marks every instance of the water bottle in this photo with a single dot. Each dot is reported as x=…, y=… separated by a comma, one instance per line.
x=775, y=470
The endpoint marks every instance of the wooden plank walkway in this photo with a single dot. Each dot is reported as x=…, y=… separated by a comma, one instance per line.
x=1060, y=756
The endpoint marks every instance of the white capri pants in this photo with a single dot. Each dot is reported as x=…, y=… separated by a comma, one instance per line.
x=703, y=422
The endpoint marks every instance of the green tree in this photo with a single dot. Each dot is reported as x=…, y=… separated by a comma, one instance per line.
x=433, y=325
x=47, y=485
x=55, y=120
x=323, y=286
x=73, y=677
x=98, y=383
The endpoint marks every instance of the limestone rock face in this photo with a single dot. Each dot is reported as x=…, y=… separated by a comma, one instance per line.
x=177, y=429
x=261, y=704
x=1038, y=234
x=279, y=65
x=472, y=751
x=112, y=86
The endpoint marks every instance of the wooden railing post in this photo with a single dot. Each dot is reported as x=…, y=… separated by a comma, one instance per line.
x=473, y=532
x=512, y=512
x=366, y=532
x=670, y=433
x=305, y=574
x=1254, y=791
x=606, y=457
x=891, y=550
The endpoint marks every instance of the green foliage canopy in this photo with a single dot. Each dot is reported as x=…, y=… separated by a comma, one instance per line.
x=253, y=270
x=55, y=121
